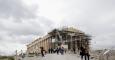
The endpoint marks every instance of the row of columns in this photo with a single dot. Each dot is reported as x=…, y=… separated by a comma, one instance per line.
x=35, y=48
x=72, y=42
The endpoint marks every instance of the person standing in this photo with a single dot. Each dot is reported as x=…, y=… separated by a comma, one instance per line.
x=82, y=52
x=52, y=50
x=42, y=51
x=87, y=55
x=74, y=50
x=62, y=50
x=49, y=50
x=57, y=50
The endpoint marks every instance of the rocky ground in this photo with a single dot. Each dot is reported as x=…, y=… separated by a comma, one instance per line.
x=54, y=57
x=103, y=54
x=95, y=55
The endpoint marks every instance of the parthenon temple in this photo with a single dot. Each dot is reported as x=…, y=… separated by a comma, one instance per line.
x=69, y=37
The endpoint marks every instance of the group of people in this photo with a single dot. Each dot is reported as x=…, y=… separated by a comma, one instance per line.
x=57, y=50
x=51, y=50
x=84, y=53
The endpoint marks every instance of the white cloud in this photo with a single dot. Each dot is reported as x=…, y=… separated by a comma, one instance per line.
x=18, y=27
x=21, y=33
x=16, y=9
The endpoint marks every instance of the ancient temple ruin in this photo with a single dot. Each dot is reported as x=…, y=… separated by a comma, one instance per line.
x=69, y=37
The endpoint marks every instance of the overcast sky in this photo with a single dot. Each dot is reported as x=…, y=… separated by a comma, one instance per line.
x=21, y=21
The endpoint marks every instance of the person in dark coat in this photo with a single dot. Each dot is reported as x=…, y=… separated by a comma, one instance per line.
x=57, y=50
x=62, y=50
x=49, y=50
x=42, y=51
x=52, y=50
x=87, y=55
x=74, y=50
x=82, y=52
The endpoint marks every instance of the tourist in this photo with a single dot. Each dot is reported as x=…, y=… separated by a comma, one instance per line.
x=42, y=51
x=52, y=50
x=57, y=50
x=62, y=50
x=87, y=55
x=74, y=50
x=82, y=52
x=49, y=50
